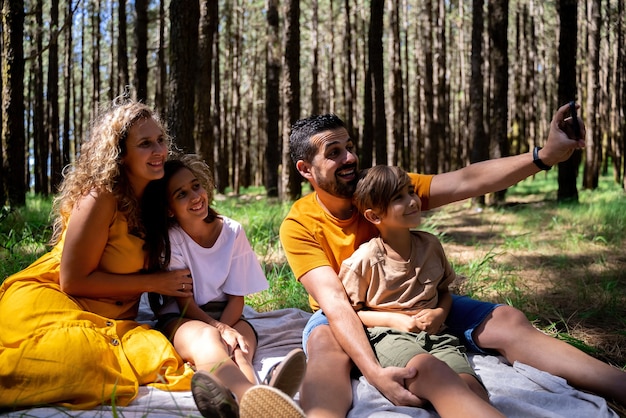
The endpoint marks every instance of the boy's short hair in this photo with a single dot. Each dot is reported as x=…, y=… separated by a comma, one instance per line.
x=377, y=186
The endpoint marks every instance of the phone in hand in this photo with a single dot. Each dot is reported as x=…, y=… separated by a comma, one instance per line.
x=575, y=124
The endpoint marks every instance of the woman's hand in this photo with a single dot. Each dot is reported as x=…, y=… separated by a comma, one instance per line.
x=177, y=283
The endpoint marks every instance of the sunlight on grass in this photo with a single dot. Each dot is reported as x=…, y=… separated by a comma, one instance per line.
x=561, y=263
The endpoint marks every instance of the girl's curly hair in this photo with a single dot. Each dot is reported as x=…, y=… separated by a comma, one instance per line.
x=99, y=166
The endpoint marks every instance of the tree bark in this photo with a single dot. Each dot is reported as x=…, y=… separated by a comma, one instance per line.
x=14, y=186
x=400, y=154
x=441, y=141
x=478, y=137
x=52, y=99
x=141, y=53
x=184, y=18
x=315, y=87
x=498, y=28
x=291, y=94
x=594, y=140
x=272, y=100
x=68, y=82
x=431, y=154
x=40, y=136
x=376, y=59
x=568, y=47
x=161, y=72
x=122, y=48
x=208, y=29
x=95, y=61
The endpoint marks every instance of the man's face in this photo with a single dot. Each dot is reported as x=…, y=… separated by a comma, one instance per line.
x=334, y=167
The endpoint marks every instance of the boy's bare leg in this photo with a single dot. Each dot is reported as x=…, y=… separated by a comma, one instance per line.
x=446, y=390
x=475, y=386
x=506, y=326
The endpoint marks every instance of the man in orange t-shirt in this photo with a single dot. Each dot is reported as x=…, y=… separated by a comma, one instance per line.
x=323, y=228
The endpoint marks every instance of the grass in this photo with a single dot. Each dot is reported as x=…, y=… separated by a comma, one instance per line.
x=562, y=264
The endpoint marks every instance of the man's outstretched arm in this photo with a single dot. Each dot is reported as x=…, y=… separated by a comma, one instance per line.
x=493, y=175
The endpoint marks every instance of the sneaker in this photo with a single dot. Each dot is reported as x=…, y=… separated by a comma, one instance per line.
x=266, y=401
x=288, y=374
x=212, y=398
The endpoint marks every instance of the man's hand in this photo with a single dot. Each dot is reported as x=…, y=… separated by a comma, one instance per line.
x=561, y=138
x=390, y=382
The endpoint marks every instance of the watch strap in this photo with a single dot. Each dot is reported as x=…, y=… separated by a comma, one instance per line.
x=537, y=160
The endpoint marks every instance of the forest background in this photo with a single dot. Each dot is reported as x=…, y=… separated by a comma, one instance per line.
x=431, y=85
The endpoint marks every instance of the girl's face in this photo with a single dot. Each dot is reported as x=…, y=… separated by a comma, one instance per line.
x=146, y=150
x=187, y=199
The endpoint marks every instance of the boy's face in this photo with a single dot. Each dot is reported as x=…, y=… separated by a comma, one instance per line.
x=404, y=210
x=334, y=167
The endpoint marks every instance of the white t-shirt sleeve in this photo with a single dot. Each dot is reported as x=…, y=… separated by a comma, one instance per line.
x=229, y=267
x=246, y=275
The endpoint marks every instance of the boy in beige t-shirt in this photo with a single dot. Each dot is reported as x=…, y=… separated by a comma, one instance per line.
x=398, y=282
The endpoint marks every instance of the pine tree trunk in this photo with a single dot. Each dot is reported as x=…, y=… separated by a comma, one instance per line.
x=478, y=137
x=568, y=46
x=52, y=99
x=272, y=100
x=208, y=29
x=141, y=54
x=184, y=18
x=291, y=93
x=594, y=140
x=13, y=186
x=40, y=137
x=68, y=70
x=498, y=27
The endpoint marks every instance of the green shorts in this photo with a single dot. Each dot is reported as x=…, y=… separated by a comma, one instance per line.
x=395, y=348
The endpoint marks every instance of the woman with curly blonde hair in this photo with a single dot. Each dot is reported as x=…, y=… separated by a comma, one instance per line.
x=68, y=332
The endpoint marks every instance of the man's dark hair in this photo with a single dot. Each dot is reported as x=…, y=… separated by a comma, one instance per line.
x=300, y=146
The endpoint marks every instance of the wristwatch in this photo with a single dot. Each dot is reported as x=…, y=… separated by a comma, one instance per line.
x=538, y=162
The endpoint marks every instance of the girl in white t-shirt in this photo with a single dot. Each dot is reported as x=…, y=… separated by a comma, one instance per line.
x=207, y=329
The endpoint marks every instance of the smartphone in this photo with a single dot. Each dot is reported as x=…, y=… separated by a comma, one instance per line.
x=575, y=124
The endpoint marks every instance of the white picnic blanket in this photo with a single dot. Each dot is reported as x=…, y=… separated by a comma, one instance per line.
x=518, y=391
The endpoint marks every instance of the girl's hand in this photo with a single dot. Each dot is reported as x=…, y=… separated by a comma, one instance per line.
x=233, y=339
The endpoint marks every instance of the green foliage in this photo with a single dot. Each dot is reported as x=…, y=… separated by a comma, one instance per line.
x=567, y=248
x=24, y=233
x=560, y=263
x=261, y=218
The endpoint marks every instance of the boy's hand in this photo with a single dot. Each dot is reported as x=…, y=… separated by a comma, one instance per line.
x=430, y=320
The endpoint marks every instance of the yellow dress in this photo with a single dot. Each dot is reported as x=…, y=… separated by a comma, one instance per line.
x=80, y=352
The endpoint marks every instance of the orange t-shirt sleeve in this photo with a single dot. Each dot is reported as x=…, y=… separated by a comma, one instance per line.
x=302, y=249
x=422, y=187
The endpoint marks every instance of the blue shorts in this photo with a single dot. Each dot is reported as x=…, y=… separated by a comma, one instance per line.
x=465, y=315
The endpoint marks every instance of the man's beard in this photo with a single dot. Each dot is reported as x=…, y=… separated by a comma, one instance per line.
x=337, y=187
